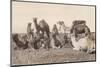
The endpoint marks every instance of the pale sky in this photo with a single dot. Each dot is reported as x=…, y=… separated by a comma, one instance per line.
x=23, y=13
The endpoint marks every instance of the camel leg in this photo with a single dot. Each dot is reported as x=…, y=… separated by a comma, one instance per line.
x=91, y=51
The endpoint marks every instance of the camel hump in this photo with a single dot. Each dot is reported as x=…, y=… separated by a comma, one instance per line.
x=43, y=24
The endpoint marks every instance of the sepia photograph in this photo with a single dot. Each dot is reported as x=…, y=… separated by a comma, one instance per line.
x=52, y=33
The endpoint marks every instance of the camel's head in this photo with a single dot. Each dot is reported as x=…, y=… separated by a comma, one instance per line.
x=60, y=22
x=35, y=19
x=54, y=26
x=29, y=24
x=15, y=36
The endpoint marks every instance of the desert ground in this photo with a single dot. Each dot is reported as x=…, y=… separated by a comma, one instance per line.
x=44, y=56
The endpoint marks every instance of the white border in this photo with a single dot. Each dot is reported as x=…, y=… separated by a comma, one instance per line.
x=5, y=33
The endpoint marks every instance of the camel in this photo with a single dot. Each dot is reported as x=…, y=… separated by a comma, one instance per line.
x=79, y=27
x=42, y=26
x=20, y=44
x=81, y=36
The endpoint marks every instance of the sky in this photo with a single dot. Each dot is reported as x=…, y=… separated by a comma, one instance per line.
x=24, y=12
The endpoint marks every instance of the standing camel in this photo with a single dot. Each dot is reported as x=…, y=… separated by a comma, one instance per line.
x=42, y=26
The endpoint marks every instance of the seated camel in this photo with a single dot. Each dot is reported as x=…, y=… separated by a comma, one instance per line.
x=81, y=36
x=84, y=44
x=19, y=43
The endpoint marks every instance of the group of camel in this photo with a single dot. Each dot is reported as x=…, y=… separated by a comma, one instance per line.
x=80, y=36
